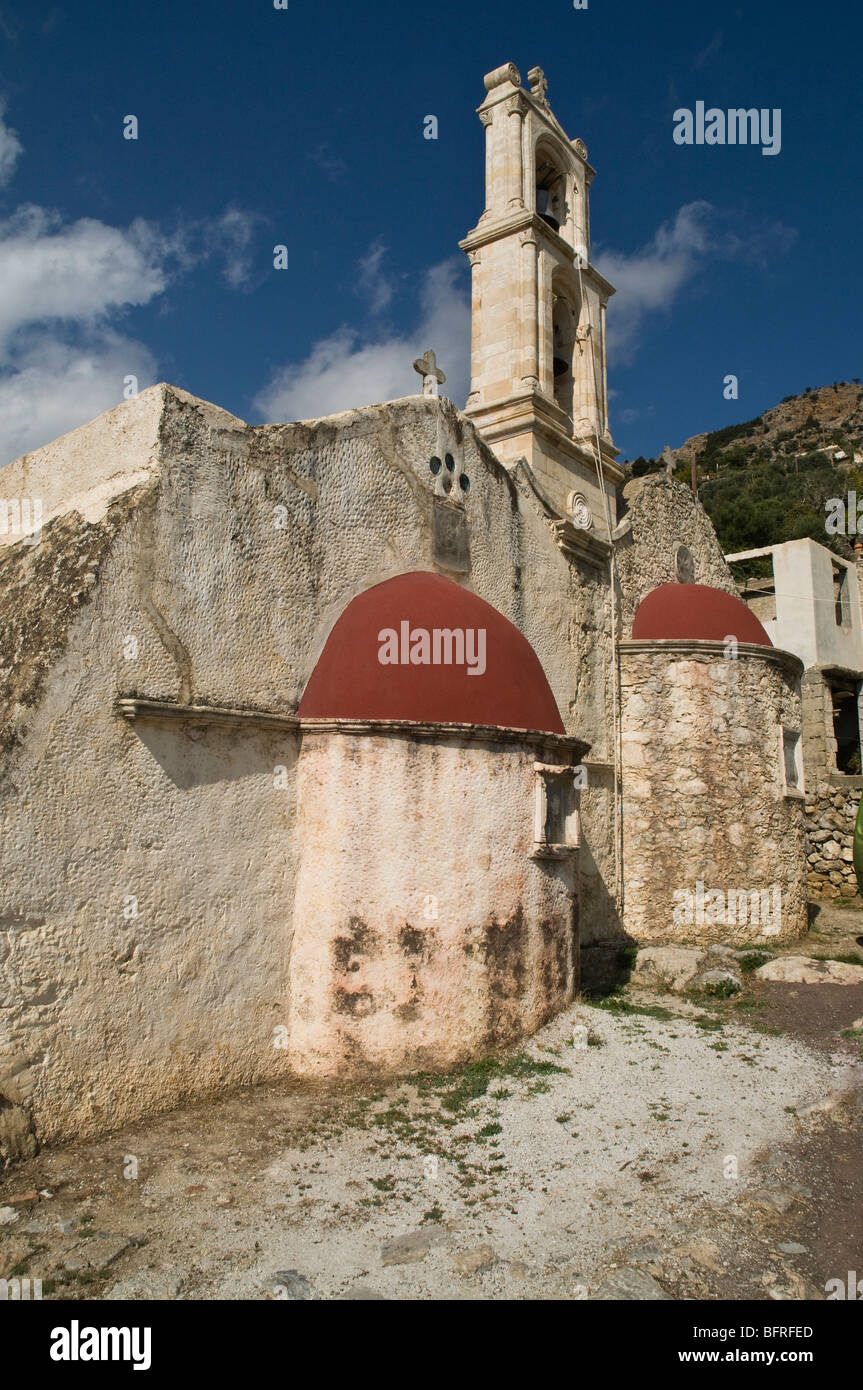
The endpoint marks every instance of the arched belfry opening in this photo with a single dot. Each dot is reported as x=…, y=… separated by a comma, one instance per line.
x=550, y=189
x=563, y=325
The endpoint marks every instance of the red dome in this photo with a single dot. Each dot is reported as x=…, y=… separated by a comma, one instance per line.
x=386, y=658
x=696, y=611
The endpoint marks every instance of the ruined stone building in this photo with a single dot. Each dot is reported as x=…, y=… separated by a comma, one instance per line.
x=357, y=744
x=809, y=603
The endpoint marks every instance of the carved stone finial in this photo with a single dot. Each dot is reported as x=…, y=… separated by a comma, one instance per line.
x=430, y=372
x=507, y=72
x=538, y=85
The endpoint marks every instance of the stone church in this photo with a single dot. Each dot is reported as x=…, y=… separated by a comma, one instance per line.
x=359, y=745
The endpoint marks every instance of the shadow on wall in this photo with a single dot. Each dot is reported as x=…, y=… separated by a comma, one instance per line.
x=197, y=755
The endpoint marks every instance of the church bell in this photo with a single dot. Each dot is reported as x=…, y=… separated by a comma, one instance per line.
x=545, y=208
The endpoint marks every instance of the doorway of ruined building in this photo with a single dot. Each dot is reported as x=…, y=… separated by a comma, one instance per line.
x=845, y=694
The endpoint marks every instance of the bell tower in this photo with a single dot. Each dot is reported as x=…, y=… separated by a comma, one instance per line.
x=538, y=369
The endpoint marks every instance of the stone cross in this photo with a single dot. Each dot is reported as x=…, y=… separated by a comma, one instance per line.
x=430, y=372
x=539, y=85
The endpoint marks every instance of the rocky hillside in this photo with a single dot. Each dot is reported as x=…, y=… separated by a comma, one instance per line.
x=767, y=480
x=828, y=416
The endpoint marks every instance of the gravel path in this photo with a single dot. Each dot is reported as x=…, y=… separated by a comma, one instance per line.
x=644, y=1154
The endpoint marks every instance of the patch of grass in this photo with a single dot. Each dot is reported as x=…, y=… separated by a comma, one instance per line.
x=751, y=960
x=614, y=1004
x=722, y=989
x=86, y=1276
x=458, y=1089
x=434, y=1213
x=594, y=1040
x=627, y=957
x=563, y=1119
x=852, y=958
x=488, y=1130
x=709, y=1024
x=386, y=1184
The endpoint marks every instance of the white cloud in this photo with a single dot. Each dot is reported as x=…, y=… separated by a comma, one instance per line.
x=55, y=386
x=343, y=371
x=650, y=279
x=62, y=288
x=10, y=148
x=77, y=273
x=230, y=236
x=373, y=283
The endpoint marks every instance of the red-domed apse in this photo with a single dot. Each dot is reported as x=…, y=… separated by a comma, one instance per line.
x=696, y=611
x=420, y=647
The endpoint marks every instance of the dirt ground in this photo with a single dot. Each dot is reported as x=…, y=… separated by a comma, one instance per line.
x=639, y=1146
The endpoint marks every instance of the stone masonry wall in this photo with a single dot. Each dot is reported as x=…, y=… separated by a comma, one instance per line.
x=702, y=786
x=663, y=514
x=831, y=812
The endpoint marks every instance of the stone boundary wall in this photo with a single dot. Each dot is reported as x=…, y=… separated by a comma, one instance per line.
x=830, y=815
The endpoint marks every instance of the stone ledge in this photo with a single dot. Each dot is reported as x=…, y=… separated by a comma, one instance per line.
x=133, y=707
x=699, y=646
x=477, y=733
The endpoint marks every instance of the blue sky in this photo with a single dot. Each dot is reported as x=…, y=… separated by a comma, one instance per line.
x=304, y=127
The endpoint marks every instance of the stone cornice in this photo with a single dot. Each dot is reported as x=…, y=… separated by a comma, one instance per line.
x=589, y=272
x=133, y=707
x=472, y=733
x=522, y=218
x=696, y=646
x=575, y=541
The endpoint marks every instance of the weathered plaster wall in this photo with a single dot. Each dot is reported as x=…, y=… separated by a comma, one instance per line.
x=424, y=932
x=214, y=578
x=702, y=786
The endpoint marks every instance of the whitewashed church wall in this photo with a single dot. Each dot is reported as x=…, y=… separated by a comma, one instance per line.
x=425, y=933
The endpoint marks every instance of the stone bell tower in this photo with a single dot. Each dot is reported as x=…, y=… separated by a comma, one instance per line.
x=538, y=370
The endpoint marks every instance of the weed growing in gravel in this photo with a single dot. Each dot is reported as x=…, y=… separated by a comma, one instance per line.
x=616, y=1005
x=709, y=1024
x=721, y=989
x=751, y=960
